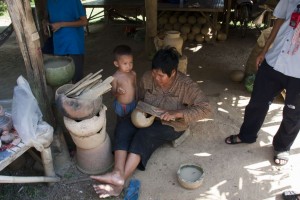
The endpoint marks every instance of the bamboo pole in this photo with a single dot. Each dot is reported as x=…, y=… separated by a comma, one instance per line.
x=48, y=162
x=27, y=179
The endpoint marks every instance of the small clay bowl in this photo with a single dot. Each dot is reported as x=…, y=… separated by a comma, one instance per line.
x=76, y=108
x=190, y=176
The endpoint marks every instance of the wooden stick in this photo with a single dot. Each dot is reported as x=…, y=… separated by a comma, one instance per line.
x=77, y=180
x=28, y=179
x=95, y=74
x=88, y=77
x=84, y=84
x=78, y=83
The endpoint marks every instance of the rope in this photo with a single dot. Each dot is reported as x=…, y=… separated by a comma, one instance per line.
x=4, y=35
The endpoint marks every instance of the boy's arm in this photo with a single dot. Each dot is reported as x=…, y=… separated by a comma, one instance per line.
x=114, y=87
x=136, y=87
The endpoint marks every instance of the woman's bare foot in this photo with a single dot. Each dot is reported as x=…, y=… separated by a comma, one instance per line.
x=108, y=190
x=113, y=178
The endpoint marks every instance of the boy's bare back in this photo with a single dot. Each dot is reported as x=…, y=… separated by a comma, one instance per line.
x=124, y=86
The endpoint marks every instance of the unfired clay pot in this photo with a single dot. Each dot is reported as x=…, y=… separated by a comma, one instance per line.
x=92, y=141
x=174, y=39
x=237, y=75
x=77, y=109
x=182, y=65
x=97, y=160
x=190, y=176
x=140, y=119
x=87, y=127
x=59, y=70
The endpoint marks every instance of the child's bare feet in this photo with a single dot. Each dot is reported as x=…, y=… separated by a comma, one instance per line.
x=113, y=178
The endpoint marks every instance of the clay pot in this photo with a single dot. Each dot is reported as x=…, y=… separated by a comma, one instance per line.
x=5, y=120
x=77, y=109
x=87, y=139
x=190, y=176
x=182, y=65
x=97, y=160
x=90, y=142
x=87, y=127
x=173, y=39
x=140, y=119
x=59, y=70
x=237, y=75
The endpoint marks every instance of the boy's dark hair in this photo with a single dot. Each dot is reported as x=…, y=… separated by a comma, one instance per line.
x=166, y=60
x=121, y=50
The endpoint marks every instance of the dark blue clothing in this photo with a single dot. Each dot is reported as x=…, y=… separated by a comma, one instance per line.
x=123, y=109
x=143, y=141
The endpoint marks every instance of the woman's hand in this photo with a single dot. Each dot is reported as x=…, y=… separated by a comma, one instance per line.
x=171, y=115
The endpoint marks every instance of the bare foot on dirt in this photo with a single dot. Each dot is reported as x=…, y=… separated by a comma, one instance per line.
x=113, y=178
x=108, y=190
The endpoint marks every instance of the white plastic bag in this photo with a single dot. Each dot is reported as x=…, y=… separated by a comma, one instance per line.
x=26, y=113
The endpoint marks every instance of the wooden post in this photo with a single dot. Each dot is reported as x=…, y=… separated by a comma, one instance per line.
x=151, y=25
x=29, y=42
x=28, y=39
x=228, y=11
x=40, y=10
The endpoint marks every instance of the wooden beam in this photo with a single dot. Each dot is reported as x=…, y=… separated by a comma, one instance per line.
x=151, y=24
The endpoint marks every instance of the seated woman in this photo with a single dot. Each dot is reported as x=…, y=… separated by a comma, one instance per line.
x=181, y=101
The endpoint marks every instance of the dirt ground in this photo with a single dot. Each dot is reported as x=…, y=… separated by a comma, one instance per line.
x=232, y=172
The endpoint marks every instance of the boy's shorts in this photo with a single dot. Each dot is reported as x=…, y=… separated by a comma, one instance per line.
x=124, y=109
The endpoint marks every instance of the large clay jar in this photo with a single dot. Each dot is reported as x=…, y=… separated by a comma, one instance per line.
x=97, y=160
x=76, y=108
x=174, y=39
x=59, y=70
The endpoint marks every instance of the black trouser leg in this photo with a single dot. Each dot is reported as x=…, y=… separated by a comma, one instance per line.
x=290, y=125
x=268, y=84
x=78, y=62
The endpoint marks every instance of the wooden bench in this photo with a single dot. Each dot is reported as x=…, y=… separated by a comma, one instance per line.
x=10, y=154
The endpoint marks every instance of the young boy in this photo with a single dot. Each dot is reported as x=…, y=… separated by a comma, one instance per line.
x=124, y=83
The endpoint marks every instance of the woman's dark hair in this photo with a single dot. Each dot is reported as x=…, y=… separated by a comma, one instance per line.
x=166, y=60
x=122, y=50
